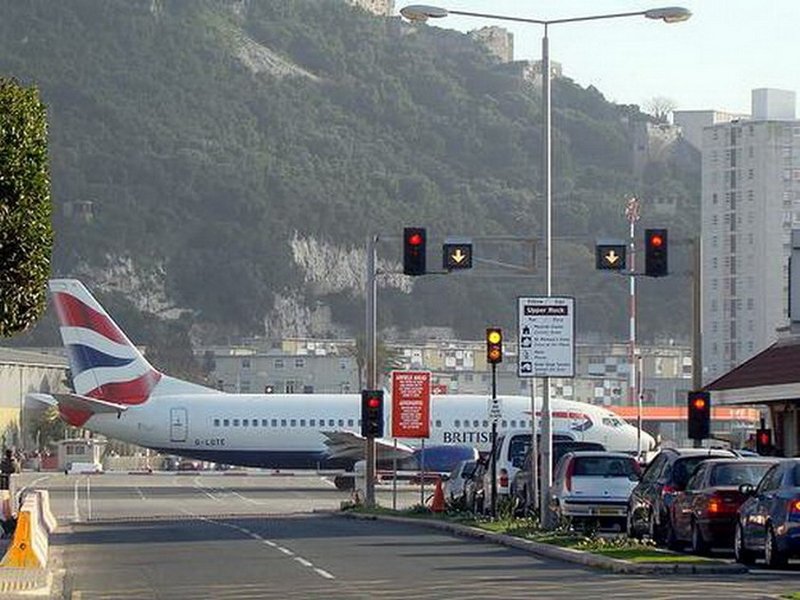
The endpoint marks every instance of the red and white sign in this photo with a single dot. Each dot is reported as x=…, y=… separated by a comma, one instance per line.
x=411, y=404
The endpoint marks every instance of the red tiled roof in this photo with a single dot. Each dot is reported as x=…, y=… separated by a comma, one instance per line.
x=778, y=364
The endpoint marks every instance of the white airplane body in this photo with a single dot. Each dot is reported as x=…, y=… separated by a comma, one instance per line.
x=120, y=395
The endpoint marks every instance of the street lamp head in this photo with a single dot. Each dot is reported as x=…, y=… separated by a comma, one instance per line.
x=670, y=14
x=422, y=12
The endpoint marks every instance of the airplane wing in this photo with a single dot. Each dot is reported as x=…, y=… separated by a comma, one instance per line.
x=79, y=403
x=347, y=444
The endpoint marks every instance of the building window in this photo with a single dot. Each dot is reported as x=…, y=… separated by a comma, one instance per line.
x=299, y=363
x=245, y=363
x=278, y=363
x=289, y=387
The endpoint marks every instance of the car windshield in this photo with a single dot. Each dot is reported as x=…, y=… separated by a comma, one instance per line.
x=518, y=448
x=604, y=466
x=739, y=473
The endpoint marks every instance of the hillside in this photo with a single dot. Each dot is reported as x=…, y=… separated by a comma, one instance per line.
x=237, y=153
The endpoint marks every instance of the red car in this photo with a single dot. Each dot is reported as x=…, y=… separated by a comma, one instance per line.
x=704, y=513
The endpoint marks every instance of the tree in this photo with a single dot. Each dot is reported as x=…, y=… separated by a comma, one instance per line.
x=26, y=233
x=661, y=107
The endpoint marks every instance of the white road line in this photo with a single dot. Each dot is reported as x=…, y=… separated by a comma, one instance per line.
x=246, y=499
x=286, y=551
x=270, y=543
x=323, y=573
x=303, y=561
x=212, y=496
x=141, y=495
x=328, y=481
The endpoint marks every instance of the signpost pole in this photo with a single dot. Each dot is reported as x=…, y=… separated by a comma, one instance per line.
x=494, y=441
x=533, y=483
x=394, y=476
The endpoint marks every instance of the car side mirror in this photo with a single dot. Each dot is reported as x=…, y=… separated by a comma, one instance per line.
x=747, y=489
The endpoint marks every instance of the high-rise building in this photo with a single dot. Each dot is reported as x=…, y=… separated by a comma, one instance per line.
x=750, y=202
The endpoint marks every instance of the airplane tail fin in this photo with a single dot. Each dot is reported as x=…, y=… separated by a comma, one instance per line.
x=105, y=364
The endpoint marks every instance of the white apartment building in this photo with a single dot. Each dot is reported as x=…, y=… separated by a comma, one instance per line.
x=750, y=202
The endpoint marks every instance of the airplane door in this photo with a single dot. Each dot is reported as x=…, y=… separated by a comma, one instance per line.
x=178, y=425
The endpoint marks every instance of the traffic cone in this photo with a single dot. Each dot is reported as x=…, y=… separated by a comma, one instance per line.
x=438, y=497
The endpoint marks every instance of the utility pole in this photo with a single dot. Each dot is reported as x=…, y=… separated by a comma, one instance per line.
x=633, y=213
x=372, y=377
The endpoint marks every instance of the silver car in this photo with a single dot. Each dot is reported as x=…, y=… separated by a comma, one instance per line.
x=593, y=487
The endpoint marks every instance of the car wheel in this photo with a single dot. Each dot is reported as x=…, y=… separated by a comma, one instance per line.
x=742, y=554
x=773, y=557
x=699, y=545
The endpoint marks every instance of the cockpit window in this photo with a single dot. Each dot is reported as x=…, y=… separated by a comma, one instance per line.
x=612, y=422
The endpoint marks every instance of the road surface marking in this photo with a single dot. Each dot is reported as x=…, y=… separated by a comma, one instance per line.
x=141, y=495
x=323, y=573
x=76, y=513
x=303, y=561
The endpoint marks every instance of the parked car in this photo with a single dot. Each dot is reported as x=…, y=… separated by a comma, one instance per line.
x=519, y=485
x=667, y=474
x=768, y=522
x=473, y=488
x=455, y=485
x=594, y=487
x=704, y=514
x=510, y=452
x=190, y=465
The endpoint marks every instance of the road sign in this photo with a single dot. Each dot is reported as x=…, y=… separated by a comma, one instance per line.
x=457, y=254
x=546, y=336
x=495, y=411
x=411, y=402
x=610, y=256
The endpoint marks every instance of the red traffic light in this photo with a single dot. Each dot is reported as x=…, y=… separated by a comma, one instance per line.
x=764, y=438
x=656, y=240
x=699, y=403
x=415, y=239
x=374, y=402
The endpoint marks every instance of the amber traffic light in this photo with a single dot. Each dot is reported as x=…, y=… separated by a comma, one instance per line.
x=494, y=345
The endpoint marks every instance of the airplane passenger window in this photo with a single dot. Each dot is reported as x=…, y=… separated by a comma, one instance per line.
x=438, y=423
x=274, y=422
x=312, y=423
x=359, y=422
x=504, y=424
x=514, y=424
x=226, y=423
x=302, y=422
x=216, y=422
x=475, y=423
x=236, y=422
x=293, y=423
x=331, y=423
x=244, y=422
x=457, y=423
x=341, y=422
x=349, y=422
x=263, y=422
x=283, y=422
x=486, y=423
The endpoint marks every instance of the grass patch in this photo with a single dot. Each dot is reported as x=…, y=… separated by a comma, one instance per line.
x=791, y=596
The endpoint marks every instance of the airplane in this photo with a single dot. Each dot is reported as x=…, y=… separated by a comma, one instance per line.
x=119, y=394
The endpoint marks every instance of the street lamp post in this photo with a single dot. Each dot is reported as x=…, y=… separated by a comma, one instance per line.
x=671, y=14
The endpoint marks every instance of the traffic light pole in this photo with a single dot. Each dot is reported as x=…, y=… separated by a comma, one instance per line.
x=371, y=300
x=494, y=441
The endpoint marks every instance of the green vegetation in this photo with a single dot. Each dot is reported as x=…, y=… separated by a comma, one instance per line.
x=202, y=163
x=26, y=235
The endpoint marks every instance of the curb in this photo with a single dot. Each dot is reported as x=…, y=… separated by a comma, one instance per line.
x=570, y=555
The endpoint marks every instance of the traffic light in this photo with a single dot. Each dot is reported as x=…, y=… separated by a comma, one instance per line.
x=414, y=251
x=372, y=413
x=764, y=441
x=699, y=415
x=494, y=345
x=655, y=252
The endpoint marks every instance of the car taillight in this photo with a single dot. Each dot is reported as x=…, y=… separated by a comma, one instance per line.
x=721, y=505
x=793, y=509
x=503, y=480
x=568, y=476
x=714, y=504
x=668, y=489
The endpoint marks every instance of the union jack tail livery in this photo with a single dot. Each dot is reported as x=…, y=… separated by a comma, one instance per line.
x=105, y=364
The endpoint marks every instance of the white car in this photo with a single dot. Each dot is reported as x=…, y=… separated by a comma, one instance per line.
x=594, y=487
x=454, y=486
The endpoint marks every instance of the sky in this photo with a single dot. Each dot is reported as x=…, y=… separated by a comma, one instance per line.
x=711, y=61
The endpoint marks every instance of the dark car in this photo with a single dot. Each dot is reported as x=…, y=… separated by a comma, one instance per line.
x=705, y=512
x=667, y=474
x=769, y=520
x=521, y=481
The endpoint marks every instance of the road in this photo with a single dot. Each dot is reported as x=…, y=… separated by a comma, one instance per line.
x=209, y=536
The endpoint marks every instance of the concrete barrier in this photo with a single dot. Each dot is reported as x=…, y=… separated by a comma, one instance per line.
x=31, y=542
